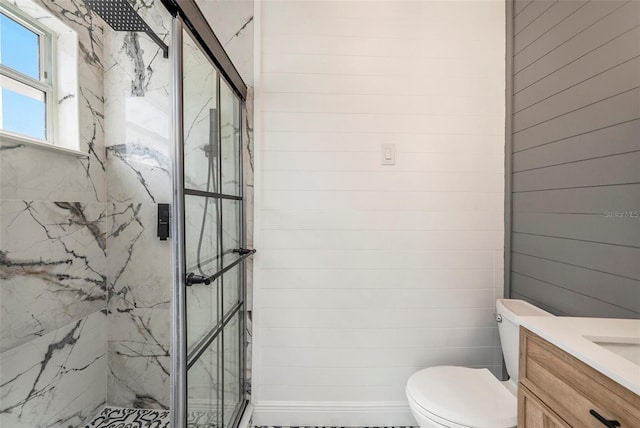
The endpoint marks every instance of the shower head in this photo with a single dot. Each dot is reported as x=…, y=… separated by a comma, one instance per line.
x=121, y=16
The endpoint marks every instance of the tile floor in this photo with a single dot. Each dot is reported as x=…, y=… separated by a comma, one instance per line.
x=116, y=417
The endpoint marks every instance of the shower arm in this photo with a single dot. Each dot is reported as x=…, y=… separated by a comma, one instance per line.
x=158, y=40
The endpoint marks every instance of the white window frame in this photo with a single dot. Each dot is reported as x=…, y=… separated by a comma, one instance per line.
x=44, y=85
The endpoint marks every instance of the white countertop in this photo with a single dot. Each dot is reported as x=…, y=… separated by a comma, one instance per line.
x=570, y=334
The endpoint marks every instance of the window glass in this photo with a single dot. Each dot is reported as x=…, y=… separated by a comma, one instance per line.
x=19, y=48
x=23, y=109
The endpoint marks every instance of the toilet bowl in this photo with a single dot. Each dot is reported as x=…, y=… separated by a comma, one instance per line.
x=463, y=397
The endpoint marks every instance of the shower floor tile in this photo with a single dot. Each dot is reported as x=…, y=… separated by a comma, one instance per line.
x=117, y=417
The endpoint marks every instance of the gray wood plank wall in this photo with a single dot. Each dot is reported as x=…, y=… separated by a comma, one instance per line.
x=574, y=146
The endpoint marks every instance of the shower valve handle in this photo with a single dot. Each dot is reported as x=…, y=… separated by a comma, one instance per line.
x=193, y=279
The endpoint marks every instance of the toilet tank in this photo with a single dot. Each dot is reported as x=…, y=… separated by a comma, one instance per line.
x=508, y=313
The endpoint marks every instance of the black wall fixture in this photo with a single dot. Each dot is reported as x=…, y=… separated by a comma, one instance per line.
x=163, y=221
x=121, y=16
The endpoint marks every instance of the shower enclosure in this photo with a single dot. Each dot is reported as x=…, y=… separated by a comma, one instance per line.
x=95, y=326
x=209, y=239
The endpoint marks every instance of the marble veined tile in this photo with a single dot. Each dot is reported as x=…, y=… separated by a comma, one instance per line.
x=52, y=267
x=247, y=136
x=138, y=110
x=230, y=135
x=137, y=130
x=200, y=116
x=138, y=163
x=139, y=264
x=139, y=358
x=232, y=22
x=57, y=380
x=248, y=193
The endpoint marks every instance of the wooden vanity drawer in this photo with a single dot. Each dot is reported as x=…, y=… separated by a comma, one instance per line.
x=572, y=388
x=533, y=413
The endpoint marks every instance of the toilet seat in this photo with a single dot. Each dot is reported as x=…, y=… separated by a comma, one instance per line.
x=418, y=410
x=462, y=397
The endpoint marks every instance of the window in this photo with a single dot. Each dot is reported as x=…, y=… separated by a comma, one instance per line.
x=39, y=69
x=26, y=85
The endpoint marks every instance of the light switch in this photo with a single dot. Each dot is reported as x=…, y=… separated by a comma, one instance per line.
x=388, y=154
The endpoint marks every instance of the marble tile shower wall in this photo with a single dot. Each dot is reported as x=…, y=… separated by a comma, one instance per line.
x=53, y=257
x=137, y=120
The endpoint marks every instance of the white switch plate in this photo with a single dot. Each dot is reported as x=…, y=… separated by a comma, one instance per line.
x=388, y=154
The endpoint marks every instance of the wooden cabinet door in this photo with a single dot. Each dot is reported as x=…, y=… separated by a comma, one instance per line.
x=533, y=413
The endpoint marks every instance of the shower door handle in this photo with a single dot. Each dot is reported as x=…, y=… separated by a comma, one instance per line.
x=193, y=279
x=242, y=251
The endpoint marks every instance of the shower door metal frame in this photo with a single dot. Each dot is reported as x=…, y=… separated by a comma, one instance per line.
x=179, y=315
x=193, y=19
x=180, y=360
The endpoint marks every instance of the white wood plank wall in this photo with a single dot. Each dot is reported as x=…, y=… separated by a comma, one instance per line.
x=367, y=273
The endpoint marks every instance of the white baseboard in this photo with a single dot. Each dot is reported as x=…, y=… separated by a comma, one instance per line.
x=332, y=413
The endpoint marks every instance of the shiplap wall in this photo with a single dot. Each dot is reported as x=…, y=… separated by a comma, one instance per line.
x=576, y=156
x=368, y=273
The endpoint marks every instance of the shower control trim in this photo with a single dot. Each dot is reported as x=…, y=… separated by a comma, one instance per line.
x=163, y=221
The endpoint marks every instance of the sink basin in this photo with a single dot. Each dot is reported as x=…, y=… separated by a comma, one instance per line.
x=626, y=347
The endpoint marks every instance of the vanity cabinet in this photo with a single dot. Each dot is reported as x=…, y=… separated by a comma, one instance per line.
x=533, y=413
x=557, y=390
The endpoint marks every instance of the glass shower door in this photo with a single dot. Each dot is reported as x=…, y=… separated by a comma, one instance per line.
x=232, y=242
x=202, y=231
x=213, y=239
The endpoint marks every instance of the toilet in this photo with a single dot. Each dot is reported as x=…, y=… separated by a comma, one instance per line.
x=462, y=397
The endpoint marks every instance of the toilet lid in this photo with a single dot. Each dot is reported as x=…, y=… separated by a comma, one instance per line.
x=469, y=397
